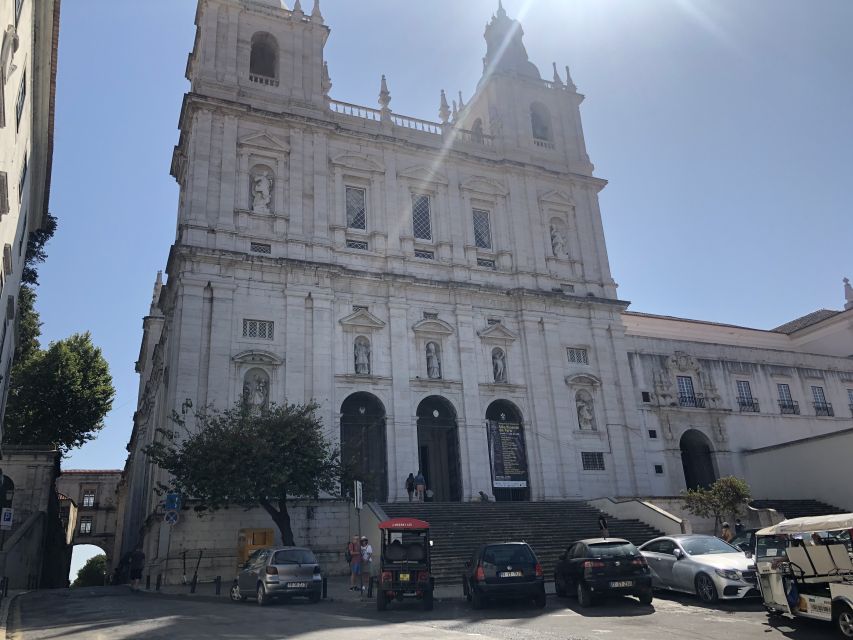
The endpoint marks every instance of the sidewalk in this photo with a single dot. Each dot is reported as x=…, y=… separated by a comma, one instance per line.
x=5, y=611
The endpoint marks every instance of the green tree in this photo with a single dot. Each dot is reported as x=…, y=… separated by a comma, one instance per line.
x=728, y=496
x=60, y=395
x=93, y=573
x=249, y=458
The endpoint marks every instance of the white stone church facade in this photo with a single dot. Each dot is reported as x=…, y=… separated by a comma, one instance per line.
x=441, y=289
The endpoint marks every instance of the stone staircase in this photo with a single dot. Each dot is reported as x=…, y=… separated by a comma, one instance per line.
x=457, y=528
x=798, y=508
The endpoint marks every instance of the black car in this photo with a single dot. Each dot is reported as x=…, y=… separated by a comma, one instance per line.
x=603, y=566
x=505, y=570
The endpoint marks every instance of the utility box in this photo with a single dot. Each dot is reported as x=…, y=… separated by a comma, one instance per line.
x=248, y=540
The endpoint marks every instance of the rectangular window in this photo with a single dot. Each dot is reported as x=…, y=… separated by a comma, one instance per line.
x=260, y=247
x=359, y=245
x=359, y=307
x=592, y=460
x=430, y=315
x=22, y=98
x=647, y=397
x=850, y=398
x=424, y=255
x=577, y=355
x=653, y=434
x=421, y=218
x=784, y=393
x=745, y=400
x=85, y=524
x=356, y=208
x=818, y=395
x=4, y=193
x=686, y=394
x=659, y=469
x=22, y=179
x=787, y=405
x=89, y=499
x=493, y=321
x=261, y=329
x=482, y=229
x=486, y=264
x=821, y=406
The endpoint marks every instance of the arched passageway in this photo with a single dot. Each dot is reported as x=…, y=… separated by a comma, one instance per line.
x=438, y=448
x=363, y=450
x=697, y=459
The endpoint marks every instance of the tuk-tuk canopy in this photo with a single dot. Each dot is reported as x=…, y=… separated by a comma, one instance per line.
x=404, y=524
x=810, y=524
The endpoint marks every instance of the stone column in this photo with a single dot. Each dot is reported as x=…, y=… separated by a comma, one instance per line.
x=294, y=384
x=322, y=385
x=473, y=441
x=220, y=384
x=567, y=473
x=229, y=175
x=402, y=435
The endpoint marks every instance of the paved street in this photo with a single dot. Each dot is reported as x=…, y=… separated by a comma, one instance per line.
x=114, y=613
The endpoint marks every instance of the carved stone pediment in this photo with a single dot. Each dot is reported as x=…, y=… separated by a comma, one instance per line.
x=683, y=362
x=358, y=163
x=423, y=174
x=362, y=320
x=557, y=197
x=481, y=184
x=433, y=327
x=257, y=356
x=264, y=141
x=497, y=332
x=583, y=380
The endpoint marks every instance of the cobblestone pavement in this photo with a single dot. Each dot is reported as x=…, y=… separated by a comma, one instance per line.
x=115, y=613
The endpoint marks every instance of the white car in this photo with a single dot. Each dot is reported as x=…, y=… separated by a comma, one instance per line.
x=700, y=564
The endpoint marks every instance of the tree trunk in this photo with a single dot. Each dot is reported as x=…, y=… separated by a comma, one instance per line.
x=282, y=520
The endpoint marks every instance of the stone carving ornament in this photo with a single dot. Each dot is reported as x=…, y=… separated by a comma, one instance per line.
x=362, y=356
x=433, y=361
x=256, y=390
x=558, y=242
x=262, y=184
x=586, y=411
x=499, y=365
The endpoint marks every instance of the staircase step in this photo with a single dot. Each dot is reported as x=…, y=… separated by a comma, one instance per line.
x=798, y=508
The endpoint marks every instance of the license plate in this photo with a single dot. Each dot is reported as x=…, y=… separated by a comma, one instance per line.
x=510, y=574
x=405, y=577
x=297, y=585
x=621, y=583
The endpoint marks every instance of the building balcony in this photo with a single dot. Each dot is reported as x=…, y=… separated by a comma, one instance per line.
x=264, y=80
x=689, y=400
x=748, y=404
x=823, y=409
x=789, y=407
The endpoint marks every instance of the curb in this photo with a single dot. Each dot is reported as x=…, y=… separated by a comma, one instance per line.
x=5, y=612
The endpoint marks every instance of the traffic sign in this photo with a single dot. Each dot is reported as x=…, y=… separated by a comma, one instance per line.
x=6, y=519
x=173, y=501
x=171, y=517
x=357, y=495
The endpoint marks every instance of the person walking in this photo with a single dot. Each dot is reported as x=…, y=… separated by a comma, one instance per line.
x=420, y=486
x=726, y=533
x=738, y=527
x=366, y=560
x=410, y=486
x=137, y=564
x=602, y=526
x=353, y=555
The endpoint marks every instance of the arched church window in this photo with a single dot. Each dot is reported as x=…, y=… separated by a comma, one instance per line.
x=263, y=60
x=540, y=121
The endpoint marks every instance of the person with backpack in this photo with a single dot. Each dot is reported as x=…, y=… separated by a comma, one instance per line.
x=410, y=486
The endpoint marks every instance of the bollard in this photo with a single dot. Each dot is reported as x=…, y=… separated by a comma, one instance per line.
x=148, y=582
x=159, y=580
x=218, y=582
x=193, y=583
x=325, y=587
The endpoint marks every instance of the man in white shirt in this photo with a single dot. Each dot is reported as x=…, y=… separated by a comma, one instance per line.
x=366, y=559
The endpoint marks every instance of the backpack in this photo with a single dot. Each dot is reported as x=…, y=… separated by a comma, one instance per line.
x=348, y=555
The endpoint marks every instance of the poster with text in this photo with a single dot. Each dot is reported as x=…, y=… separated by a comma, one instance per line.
x=509, y=459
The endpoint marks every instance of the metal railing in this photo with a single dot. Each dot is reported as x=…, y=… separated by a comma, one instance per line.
x=789, y=407
x=748, y=404
x=823, y=409
x=688, y=400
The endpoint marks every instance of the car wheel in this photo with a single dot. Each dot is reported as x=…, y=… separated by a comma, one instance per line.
x=263, y=600
x=235, y=594
x=844, y=620
x=428, y=600
x=559, y=589
x=381, y=600
x=705, y=589
x=645, y=596
x=584, y=595
x=477, y=600
x=540, y=600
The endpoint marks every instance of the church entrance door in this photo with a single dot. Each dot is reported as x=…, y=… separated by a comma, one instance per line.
x=697, y=460
x=363, y=450
x=438, y=449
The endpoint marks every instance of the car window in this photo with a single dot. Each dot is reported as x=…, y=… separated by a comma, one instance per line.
x=612, y=550
x=508, y=554
x=706, y=545
x=294, y=556
x=579, y=551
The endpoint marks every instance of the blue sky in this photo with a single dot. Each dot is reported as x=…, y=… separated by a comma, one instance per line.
x=723, y=126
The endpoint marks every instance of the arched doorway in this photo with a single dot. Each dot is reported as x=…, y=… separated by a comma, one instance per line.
x=363, y=450
x=507, y=452
x=697, y=460
x=438, y=448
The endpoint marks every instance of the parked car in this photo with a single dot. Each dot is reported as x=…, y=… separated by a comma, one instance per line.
x=506, y=570
x=700, y=564
x=280, y=572
x=600, y=567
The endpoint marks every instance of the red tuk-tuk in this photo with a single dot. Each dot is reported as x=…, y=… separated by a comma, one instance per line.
x=404, y=562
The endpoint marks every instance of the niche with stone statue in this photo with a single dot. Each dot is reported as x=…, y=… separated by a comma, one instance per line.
x=361, y=356
x=586, y=410
x=261, y=183
x=256, y=389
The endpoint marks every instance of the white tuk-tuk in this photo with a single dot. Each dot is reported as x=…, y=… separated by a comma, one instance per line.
x=805, y=569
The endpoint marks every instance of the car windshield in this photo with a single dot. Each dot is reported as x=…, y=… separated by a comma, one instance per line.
x=294, y=556
x=613, y=550
x=770, y=546
x=505, y=554
x=706, y=545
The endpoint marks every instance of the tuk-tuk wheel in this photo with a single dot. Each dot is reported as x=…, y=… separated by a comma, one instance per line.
x=844, y=620
x=381, y=600
x=428, y=601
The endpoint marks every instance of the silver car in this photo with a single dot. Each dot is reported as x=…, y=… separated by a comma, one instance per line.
x=704, y=565
x=279, y=572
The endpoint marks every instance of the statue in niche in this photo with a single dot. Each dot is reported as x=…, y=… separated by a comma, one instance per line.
x=586, y=411
x=558, y=242
x=262, y=192
x=499, y=365
x=362, y=356
x=256, y=390
x=433, y=361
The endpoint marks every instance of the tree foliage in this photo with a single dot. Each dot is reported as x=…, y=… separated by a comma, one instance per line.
x=249, y=458
x=36, y=253
x=60, y=395
x=92, y=573
x=726, y=497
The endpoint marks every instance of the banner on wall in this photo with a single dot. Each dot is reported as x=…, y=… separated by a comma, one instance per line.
x=508, y=457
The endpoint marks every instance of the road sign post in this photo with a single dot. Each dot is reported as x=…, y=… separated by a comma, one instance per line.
x=357, y=495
